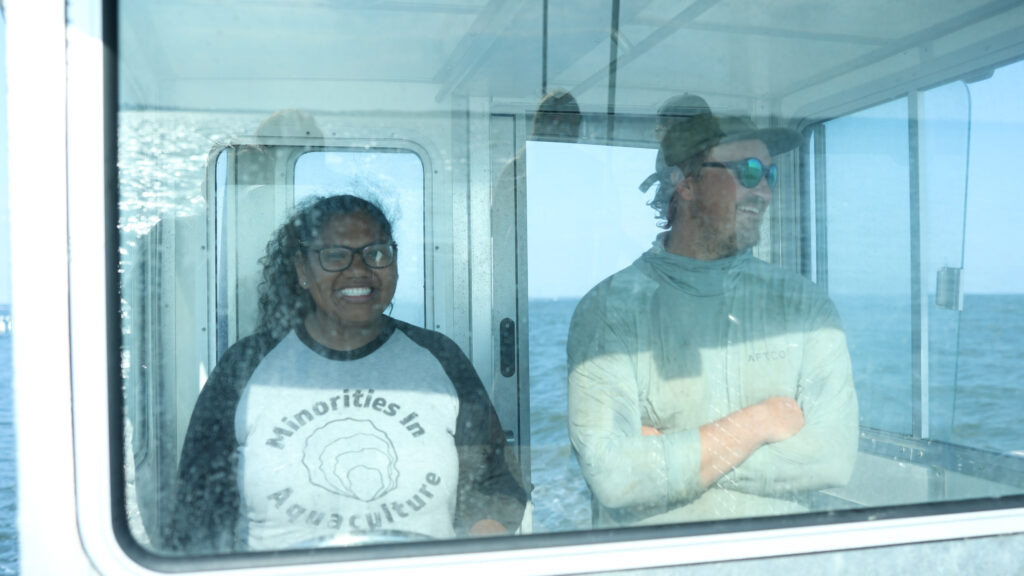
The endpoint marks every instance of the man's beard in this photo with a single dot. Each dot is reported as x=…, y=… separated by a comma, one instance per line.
x=747, y=236
x=724, y=239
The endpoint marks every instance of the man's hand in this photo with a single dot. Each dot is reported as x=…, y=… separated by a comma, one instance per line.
x=649, y=431
x=777, y=418
x=487, y=527
x=727, y=442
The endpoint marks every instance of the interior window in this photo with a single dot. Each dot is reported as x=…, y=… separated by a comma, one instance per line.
x=984, y=396
x=594, y=187
x=869, y=258
x=397, y=179
x=922, y=282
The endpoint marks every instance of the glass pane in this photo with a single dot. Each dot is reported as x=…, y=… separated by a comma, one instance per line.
x=869, y=266
x=990, y=365
x=927, y=374
x=597, y=185
x=944, y=124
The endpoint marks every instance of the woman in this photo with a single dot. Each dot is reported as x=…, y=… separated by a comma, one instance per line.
x=334, y=418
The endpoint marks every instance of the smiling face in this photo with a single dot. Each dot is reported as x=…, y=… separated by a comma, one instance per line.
x=720, y=216
x=349, y=304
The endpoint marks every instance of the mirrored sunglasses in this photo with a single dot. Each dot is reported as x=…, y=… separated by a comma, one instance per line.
x=748, y=172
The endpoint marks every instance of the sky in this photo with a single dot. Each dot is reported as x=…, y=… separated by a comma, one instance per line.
x=586, y=216
x=587, y=219
x=995, y=213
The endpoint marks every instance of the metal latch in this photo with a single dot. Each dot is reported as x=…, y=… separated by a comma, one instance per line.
x=507, y=340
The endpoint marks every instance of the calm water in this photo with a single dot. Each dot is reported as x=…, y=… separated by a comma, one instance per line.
x=975, y=401
x=8, y=480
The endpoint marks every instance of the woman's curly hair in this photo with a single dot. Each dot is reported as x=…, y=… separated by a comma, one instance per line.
x=283, y=304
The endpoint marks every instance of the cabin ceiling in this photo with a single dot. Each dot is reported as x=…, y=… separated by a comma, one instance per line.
x=209, y=54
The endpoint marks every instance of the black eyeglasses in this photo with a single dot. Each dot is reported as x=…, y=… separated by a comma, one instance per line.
x=749, y=172
x=339, y=258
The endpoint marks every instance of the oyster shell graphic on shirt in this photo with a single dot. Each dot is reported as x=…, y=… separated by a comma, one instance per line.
x=351, y=458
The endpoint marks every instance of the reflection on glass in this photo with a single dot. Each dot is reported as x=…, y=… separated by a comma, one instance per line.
x=214, y=155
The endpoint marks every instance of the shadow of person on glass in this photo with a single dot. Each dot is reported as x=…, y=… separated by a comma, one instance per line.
x=557, y=119
x=670, y=112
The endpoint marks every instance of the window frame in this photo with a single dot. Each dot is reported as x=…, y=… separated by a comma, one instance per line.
x=96, y=408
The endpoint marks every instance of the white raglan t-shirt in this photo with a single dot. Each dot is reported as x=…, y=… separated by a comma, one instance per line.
x=330, y=444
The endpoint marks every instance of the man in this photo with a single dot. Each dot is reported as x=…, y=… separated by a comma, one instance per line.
x=703, y=382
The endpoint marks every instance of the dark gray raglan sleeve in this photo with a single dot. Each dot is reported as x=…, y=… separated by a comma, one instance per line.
x=490, y=486
x=207, y=501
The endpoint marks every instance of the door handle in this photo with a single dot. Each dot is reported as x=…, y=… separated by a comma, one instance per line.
x=507, y=347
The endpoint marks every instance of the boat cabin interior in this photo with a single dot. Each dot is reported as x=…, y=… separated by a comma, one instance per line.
x=221, y=117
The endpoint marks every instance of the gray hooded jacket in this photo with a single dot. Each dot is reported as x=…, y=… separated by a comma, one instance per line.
x=676, y=343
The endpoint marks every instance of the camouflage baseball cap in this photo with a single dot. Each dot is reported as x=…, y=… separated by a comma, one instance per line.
x=692, y=135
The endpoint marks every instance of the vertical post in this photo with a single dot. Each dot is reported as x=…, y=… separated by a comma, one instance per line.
x=544, y=51
x=918, y=285
x=820, y=209
x=613, y=66
x=37, y=80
